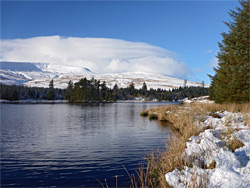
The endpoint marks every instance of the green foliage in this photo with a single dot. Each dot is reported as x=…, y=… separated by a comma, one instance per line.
x=152, y=116
x=144, y=87
x=144, y=113
x=90, y=91
x=12, y=92
x=51, y=92
x=69, y=90
x=94, y=91
x=232, y=76
x=14, y=95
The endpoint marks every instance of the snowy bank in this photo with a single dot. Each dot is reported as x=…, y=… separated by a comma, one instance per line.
x=220, y=156
x=203, y=99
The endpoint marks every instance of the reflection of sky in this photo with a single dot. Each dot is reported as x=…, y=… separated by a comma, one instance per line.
x=84, y=140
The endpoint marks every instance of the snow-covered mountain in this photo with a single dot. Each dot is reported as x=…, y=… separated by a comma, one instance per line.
x=40, y=74
x=19, y=73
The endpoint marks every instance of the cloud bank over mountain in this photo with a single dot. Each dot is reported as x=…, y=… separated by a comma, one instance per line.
x=101, y=55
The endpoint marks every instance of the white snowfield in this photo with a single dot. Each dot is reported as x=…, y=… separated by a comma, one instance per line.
x=40, y=74
x=202, y=99
x=232, y=169
x=20, y=73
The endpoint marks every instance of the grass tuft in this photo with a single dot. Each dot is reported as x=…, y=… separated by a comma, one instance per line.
x=215, y=115
x=234, y=144
x=152, y=116
x=211, y=166
x=144, y=113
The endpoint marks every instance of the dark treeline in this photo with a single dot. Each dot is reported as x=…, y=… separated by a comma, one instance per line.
x=13, y=92
x=95, y=91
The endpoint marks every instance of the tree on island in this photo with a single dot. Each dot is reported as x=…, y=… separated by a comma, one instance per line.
x=51, y=92
x=232, y=76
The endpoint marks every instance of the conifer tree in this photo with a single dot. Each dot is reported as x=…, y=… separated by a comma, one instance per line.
x=51, y=93
x=231, y=80
x=69, y=90
x=144, y=87
x=14, y=94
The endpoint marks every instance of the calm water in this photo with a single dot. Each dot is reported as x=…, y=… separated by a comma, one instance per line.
x=73, y=145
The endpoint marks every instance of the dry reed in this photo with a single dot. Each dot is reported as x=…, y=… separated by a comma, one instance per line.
x=183, y=119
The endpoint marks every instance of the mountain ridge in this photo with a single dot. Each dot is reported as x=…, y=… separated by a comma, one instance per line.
x=40, y=74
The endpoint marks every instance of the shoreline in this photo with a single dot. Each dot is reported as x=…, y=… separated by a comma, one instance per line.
x=89, y=102
x=211, y=147
x=34, y=102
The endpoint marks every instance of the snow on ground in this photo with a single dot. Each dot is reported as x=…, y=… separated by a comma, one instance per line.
x=203, y=99
x=211, y=148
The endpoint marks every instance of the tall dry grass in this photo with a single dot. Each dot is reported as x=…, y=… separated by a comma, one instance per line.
x=182, y=118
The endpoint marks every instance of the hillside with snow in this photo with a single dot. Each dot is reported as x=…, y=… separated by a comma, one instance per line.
x=40, y=74
x=20, y=73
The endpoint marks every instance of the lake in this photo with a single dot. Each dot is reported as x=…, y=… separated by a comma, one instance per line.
x=63, y=145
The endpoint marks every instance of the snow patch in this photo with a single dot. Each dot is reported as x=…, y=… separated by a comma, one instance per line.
x=232, y=169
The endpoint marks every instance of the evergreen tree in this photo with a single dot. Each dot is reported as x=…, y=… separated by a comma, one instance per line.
x=144, y=87
x=69, y=90
x=51, y=93
x=131, y=88
x=14, y=94
x=115, y=88
x=232, y=76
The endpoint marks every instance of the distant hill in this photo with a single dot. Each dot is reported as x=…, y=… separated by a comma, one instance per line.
x=19, y=73
x=40, y=74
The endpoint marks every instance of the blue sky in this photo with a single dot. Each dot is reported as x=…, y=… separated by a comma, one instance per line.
x=191, y=29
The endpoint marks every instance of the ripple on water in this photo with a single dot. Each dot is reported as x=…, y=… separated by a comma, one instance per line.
x=74, y=145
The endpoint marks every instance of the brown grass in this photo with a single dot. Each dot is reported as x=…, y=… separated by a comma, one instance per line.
x=212, y=165
x=247, y=119
x=182, y=117
x=234, y=144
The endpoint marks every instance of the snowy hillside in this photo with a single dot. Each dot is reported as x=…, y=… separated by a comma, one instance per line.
x=40, y=74
x=154, y=81
x=20, y=73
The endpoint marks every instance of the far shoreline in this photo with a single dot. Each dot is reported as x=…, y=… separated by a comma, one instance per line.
x=81, y=102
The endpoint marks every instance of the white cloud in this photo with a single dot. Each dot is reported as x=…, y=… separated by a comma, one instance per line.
x=100, y=55
x=214, y=62
x=208, y=51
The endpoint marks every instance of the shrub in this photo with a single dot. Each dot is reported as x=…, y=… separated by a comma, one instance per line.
x=144, y=113
x=152, y=116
